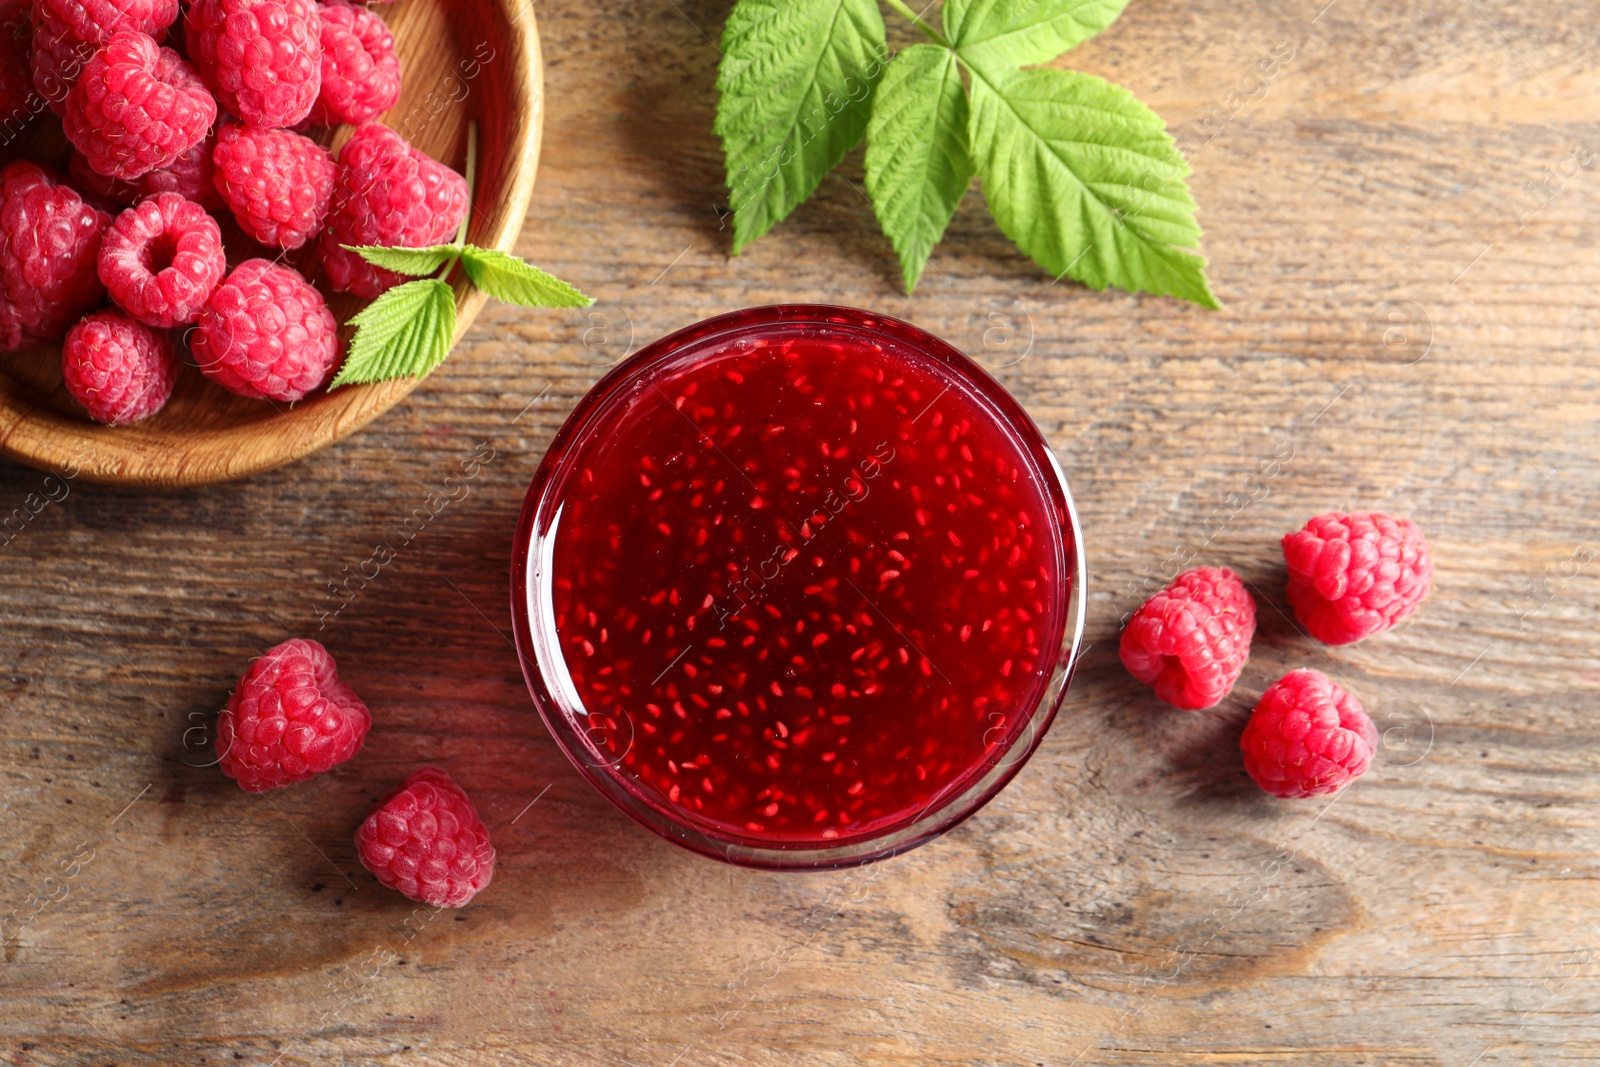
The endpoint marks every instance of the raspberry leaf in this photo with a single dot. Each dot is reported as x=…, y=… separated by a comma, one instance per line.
x=516, y=282
x=994, y=34
x=414, y=261
x=796, y=83
x=1086, y=180
x=918, y=167
x=405, y=333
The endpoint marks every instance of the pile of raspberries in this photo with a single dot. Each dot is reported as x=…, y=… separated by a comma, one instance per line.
x=1350, y=576
x=291, y=718
x=171, y=132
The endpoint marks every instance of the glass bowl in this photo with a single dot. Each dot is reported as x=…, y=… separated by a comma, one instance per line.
x=775, y=469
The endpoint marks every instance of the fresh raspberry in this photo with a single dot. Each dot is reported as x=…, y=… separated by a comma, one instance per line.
x=263, y=58
x=160, y=261
x=55, y=62
x=360, y=71
x=190, y=176
x=426, y=840
x=1307, y=736
x=49, y=241
x=120, y=370
x=67, y=33
x=266, y=333
x=289, y=718
x=276, y=183
x=1191, y=639
x=387, y=193
x=18, y=101
x=104, y=191
x=1354, y=575
x=136, y=107
x=96, y=20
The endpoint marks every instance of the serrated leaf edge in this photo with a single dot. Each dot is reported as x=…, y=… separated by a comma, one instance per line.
x=380, y=316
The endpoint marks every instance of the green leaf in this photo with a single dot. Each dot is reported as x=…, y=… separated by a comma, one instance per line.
x=510, y=279
x=796, y=83
x=918, y=167
x=994, y=34
x=415, y=261
x=1087, y=181
x=405, y=333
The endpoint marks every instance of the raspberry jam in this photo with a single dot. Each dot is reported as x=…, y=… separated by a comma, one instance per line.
x=798, y=586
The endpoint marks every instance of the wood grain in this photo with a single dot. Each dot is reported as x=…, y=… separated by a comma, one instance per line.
x=1130, y=899
x=463, y=62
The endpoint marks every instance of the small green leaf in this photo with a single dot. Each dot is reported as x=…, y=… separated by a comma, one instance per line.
x=405, y=333
x=994, y=34
x=516, y=282
x=1087, y=181
x=414, y=261
x=918, y=167
x=796, y=84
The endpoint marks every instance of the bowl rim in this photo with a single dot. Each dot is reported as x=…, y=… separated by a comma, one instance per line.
x=941, y=813
x=67, y=444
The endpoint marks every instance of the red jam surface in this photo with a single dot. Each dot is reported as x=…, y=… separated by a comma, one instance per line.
x=804, y=587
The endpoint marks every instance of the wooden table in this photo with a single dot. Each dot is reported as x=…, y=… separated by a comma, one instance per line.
x=1408, y=256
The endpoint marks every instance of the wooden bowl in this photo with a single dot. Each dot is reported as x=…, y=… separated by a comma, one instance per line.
x=462, y=60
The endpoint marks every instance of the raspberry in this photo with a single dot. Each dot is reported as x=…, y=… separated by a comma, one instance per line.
x=426, y=840
x=190, y=176
x=1354, y=575
x=136, y=107
x=18, y=101
x=263, y=58
x=1307, y=736
x=120, y=370
x=68, y=32
x=49, y=241
x=55, y=62
x=289, y=718
x=387, y=193
x=161, y=260
x=107, y=192
x=1191, y=639
x=360, y=71
x=276, y=183
x=96, y=20
x=266, y=333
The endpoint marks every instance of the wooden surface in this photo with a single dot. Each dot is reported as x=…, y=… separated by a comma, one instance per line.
x=464, y=61
x=1130, y=898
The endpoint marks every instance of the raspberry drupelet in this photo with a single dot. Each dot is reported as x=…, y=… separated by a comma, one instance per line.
x=427, y=841
x=119, y=369
x=1307, y=737
x=1351, y=576
x=289, y=718
x=1191, y=640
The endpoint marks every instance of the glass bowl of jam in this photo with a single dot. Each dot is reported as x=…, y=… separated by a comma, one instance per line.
x=798, y=587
